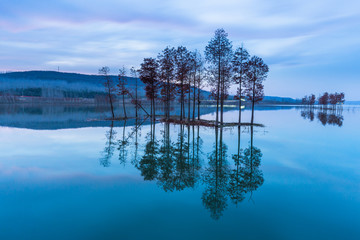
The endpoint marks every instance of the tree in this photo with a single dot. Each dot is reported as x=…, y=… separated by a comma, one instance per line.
x=324, y=99
x=183, y=67
x=122, y=87
x=135, y=101
x=312, y=99
x=256, y=73
x=109, y=87
x=241, y=57
x=341, y=98
x=197, y=76
x=218, y=53
x=149, y=76
x=166, y=61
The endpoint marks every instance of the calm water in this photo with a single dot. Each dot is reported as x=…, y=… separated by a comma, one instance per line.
x=65, y=178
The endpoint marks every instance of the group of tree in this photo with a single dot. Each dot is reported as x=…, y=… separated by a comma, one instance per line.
x=176, y=74
x=309, y=100
x=333, y=99
x=180, y=74
x=228, y=67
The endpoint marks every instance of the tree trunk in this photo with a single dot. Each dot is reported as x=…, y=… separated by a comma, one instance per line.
x=189, y=98
x=194, y=98
x=111, y=105
x=240, y=102
x=199, y=101
x=181, y=100
x=222, y=95
x=253, y=104
x=151, y=109
x=123, y=98
x=154, y=117
x=136, y=99
x=218, y=93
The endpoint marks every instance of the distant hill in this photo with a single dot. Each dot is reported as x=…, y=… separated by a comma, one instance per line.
x=56, y=84
x=51, y=84
x=280, y=100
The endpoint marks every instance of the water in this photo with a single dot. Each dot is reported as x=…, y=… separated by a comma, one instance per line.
x=301, y=179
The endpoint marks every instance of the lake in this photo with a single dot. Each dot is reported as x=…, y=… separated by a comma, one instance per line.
x=65, y=176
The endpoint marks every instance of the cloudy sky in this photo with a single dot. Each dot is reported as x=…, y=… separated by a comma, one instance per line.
x=310, y=46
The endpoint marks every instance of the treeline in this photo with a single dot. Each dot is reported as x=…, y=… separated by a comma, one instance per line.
x=51, y=93
x=332, y=99
x=179, y=74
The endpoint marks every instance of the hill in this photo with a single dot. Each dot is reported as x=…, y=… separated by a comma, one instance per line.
x=61, y=85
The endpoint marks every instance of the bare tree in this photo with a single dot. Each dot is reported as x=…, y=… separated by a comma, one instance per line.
x=133, y=74
x=122, y=87
x=109, y=87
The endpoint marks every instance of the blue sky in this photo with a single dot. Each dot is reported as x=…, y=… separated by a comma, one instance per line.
x=310, y=46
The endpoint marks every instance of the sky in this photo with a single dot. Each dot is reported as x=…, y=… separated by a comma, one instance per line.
x=310, y=46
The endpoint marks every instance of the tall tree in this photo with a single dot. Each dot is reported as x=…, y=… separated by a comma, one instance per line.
x=183, y=67
x=109, y=87
x=218, y=53
x=122, y=87
x=312, y=99
x=166, y=61
x=136, y=101
x=196, y=75
x=241, y=57
x=256, y=73
x=324, y=99
x=149, y=76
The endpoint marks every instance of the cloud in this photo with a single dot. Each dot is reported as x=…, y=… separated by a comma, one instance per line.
x=82, y=35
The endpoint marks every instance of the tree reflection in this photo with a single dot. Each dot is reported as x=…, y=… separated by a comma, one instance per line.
x=325, y=116
x=123, y=143
x=222, y=182
x=236, y=186
x=252, y=175
x=216, y=177
x=172, y=164
x=148, y=163
x=108, y=151
x=175, y=164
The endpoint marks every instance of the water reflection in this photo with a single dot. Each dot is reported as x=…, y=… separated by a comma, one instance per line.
x=216, y=178
x=123, y=143
x=110, y=145
x=175, y=160
x=246, y=177
x=325, y=115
